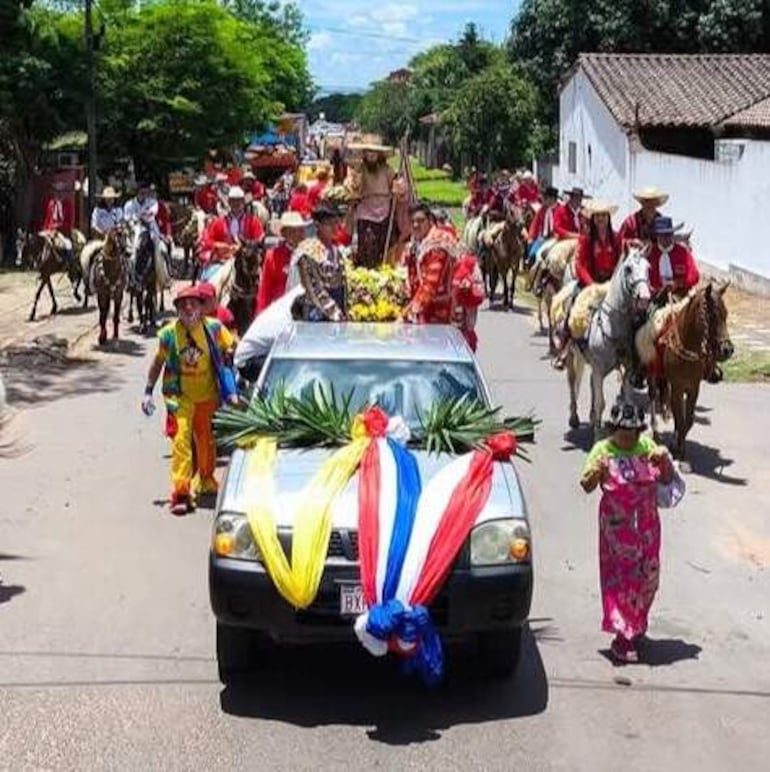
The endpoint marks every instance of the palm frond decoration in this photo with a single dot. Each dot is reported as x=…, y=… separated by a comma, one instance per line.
x=324, y=419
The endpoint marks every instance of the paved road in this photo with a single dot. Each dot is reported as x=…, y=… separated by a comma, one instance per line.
x=106, y=638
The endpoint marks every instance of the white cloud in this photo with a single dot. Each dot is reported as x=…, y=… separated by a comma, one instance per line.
x=395, y=12
x=395, y=28
x=319, y=41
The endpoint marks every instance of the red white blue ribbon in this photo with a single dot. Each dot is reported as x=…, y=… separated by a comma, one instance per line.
x=408, y=541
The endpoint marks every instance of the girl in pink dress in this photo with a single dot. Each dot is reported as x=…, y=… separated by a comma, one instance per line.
x=635, y=475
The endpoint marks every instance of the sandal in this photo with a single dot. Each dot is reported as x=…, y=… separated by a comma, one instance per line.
x=623, y=651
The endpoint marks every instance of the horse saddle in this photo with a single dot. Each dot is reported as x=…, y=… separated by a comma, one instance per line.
x=587, y=301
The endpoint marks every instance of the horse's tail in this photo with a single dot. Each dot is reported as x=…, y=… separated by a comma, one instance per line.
x=559, y=305
x=162, y=275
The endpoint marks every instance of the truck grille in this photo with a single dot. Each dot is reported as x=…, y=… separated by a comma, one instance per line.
x=342, y=544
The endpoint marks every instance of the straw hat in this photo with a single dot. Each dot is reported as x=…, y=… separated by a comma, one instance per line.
x=292, y=220
x=596, y=206
x=373, y=147
x=236, y=192
x=651, y=194
x=109, y=192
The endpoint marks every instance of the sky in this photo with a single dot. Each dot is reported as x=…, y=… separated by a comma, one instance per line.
x=354, y=43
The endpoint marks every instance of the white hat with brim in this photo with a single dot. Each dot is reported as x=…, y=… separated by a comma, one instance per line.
x=201, y=180
x=292, y=220
x=371, y=147
x=595, y=206
x=236, y=192
x=648, y=195
x=109, y=192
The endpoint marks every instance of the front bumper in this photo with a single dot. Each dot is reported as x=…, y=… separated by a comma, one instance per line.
x=472, y=600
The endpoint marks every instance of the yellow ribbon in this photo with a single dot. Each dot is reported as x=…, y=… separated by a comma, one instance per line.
x=297, y=582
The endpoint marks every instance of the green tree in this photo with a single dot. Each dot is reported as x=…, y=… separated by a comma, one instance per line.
x=338, y=108
x=547, y=35
x=178, y=78
x=385, y=109
x=491, y=118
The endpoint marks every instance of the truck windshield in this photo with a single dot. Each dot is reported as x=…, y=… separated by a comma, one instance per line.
x=404, y=388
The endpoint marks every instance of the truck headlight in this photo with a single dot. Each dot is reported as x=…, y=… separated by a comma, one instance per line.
x=232, y=538
x=500, y=541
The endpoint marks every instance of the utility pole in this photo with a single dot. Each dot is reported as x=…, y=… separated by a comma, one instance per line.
x=90, y=107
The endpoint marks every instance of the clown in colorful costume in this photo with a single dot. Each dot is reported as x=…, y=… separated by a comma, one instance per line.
x=629, y=467
x=195, y=382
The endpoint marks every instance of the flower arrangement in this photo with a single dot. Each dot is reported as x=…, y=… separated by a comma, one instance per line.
x=325, y=420
x=377, y=295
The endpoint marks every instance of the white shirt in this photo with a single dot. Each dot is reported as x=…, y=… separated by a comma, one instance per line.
x=103, y=219
x=258, y=339
x=146, y=210
x=665, y=268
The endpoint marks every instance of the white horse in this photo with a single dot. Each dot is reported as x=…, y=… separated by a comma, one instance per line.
x=608, y=338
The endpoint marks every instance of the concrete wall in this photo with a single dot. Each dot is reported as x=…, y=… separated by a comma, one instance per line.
x=601, y=145
x=725, y=202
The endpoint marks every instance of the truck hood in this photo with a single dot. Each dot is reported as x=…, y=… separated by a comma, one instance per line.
x=295, y=467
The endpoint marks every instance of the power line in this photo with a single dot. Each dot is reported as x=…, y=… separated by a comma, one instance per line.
x=360, y=34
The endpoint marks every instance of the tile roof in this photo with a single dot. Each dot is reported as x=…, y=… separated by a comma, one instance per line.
x=694, y=90
x=755, y=117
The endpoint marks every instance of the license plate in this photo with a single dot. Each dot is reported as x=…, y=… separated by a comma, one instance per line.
x=351, y=600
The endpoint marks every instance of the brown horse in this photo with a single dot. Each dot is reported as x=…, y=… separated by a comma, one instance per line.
x=696, y=339
x=506, y=250
x=45, y=254
x=243, y=291
x=109, y=277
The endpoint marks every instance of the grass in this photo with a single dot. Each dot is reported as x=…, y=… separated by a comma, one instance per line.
x=748, y=366
x=435, y=185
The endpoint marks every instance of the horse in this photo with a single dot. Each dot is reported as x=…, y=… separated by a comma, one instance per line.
x=608, y=334
x=109, y=278
x=505, y=251
x=243, y=289
x=694, y=337
x=143, y=282
x=546, y=277
x=44, y=252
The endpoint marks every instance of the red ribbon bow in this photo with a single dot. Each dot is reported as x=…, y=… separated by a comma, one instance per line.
x=502, y=445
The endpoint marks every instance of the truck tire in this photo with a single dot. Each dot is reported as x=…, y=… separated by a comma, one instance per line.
x=239, y=651
x=499, y=651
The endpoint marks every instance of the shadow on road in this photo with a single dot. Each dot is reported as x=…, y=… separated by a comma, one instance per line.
x=581, y=438
x=8, y=591
x=705, y=461
x=35, y=379
x=122, y=347
x=343, y=685
x=660, y=652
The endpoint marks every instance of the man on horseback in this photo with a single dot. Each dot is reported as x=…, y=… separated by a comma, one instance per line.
x=637, y=228
x=106, y=215
x=597, y=257
x=58, y=223
x=568, y=220
x=541, y=228
x=205, y=197
x=672, y=267
x=226, y=234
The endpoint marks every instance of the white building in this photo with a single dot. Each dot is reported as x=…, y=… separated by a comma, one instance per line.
x=696, y=126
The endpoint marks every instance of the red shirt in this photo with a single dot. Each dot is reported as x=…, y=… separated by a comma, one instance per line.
x=635, y=228
x=206, y=199
x=566, y=222
x=537, y=227
x=219, y=231
x=59, y=216
x=341, y=237
x=686, y=274
x=234, y=176
x=164, y=219
x=596, y=261
x=528, y=192
x=225, y=316
x=275, y=269
x=316, y=192
x=300, y=202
